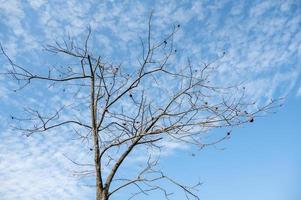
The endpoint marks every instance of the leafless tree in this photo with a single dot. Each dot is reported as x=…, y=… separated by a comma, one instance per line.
x=130, y=109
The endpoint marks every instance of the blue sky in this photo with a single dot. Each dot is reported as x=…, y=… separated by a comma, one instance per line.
x=262, y=41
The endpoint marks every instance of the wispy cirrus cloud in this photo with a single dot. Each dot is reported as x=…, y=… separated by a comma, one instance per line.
x=36, y=167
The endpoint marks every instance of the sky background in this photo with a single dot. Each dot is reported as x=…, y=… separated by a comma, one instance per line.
x=262, y=41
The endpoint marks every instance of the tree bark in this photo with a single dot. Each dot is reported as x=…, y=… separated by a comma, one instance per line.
x=103, y=195
x=100, y=195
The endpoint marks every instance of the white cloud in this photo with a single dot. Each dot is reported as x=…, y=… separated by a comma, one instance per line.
x=29, y=166
x=36, y=4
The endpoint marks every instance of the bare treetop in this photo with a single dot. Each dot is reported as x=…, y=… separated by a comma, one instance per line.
x=137, y=107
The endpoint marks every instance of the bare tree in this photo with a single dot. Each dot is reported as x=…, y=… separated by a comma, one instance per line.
x=131, y=109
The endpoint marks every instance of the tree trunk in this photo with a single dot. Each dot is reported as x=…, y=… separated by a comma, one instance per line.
x=101, y=195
